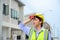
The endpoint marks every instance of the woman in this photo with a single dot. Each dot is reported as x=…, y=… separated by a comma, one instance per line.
x=37, y=32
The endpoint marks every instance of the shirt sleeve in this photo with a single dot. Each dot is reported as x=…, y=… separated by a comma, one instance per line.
x=24, y=28
x=49, y=36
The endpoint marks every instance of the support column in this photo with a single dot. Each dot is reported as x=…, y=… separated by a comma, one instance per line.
x=9, y=33
x=23, y=36
x=1, y=7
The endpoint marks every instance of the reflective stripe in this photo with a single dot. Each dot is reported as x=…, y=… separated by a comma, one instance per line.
x=45, y=35
x=30, y=33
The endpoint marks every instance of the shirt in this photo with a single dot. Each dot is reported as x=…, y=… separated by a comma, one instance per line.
x=26, y=30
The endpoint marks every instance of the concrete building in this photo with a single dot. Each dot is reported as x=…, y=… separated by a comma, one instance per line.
x=11, y=11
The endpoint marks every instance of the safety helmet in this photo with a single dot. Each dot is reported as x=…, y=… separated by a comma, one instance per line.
x=40, y=15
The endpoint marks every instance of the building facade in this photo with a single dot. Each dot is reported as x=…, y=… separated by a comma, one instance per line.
x=11, y=11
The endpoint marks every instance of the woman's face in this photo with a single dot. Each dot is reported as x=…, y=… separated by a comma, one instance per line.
x=36, y=22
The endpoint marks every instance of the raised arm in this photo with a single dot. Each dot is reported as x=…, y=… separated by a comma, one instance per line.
x=22, y=25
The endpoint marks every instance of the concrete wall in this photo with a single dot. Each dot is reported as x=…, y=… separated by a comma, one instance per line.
x=5, y=33
x=14, y=5
x=6, y=22
x=21, y=13
x=5, y=18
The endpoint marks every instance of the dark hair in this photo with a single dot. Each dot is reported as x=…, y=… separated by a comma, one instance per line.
x=40, y=19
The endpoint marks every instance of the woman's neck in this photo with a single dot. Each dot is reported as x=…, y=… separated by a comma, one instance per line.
x=38, y=28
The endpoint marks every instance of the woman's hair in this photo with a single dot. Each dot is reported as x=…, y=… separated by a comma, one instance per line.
x=40, y=19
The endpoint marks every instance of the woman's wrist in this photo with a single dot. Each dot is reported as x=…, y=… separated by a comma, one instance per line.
x=27, y=21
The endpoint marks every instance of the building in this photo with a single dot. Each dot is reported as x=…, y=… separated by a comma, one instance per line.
x=11, y=11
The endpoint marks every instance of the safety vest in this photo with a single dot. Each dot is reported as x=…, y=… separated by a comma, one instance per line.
x=43, y=35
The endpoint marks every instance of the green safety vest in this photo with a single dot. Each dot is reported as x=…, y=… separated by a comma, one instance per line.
x=43, y=35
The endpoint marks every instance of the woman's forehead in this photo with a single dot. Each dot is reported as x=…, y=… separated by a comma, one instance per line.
x=35, y=18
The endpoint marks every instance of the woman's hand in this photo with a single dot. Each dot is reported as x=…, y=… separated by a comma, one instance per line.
x=28, y=20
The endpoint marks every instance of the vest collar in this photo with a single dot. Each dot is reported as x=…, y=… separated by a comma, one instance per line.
x=40, y=29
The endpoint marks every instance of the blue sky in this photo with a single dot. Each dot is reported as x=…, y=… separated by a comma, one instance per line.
x=50, y=9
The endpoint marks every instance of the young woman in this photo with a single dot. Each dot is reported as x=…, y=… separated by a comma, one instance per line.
x=38, y=32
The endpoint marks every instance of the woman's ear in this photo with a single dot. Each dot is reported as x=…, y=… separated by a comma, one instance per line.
x=40, y=21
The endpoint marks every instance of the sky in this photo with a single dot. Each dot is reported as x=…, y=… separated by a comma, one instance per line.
x=49, y=8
